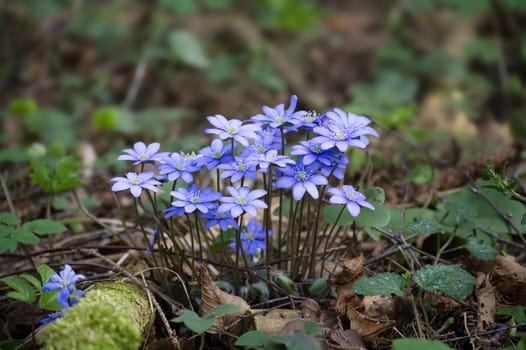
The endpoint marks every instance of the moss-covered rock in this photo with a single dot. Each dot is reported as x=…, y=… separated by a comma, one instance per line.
x=112, y=315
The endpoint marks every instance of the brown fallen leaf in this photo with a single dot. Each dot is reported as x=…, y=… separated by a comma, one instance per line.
x=378, y=307
x=351, y=270
x=487, y=300
x=347, y=339
x=509, y=277
x=274, y=321
x=367, y=328
x=213, y=296
x=310, y=309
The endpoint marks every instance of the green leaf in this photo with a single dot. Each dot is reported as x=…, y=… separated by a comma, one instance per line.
x=421, y=226
x=298, y=341
x=9, y=218
x=23, y=291
x=227, y=235
x=187, y=48
x=224, y=309
x=7, y=244
x=253, y=339
x=451, y=280
x=60, y=203
x=421, y=174
x=194, y=322
x=382, y=284
x=33, y=280
x=45, y=272
x=22, y=107
x=517, y=312
x=312, y=327
x=48, y=301
x=481, y=249
x=25, y=236
x=419, y=344
x=44, y=226
x=320, y=286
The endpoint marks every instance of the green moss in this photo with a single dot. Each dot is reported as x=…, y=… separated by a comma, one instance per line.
x=112, y=315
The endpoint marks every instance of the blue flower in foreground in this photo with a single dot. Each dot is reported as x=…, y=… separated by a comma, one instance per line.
x=300, y=178
x=242, y=201
x=136, y=182
x=177, y=211
x=350, y=197
x=310, y=120
x=232, y=129
x=65, y=282
x=140, y=153
x=252, y=238
x=224, y=220
x=343, y=130
x=278, y=116
x=52, y=316
x=214, y=155
x=192, y=199
x=178, y=165
x=337, y=165
x=271, y=157
x=238, y=169
x=312, y=153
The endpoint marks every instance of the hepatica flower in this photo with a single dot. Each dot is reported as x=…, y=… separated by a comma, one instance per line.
x=313, y=153
x=136, y=182
x=277, y=117
x=215, y=154
x=272, y=157
x=301, y=178
x=343, y=130
x=178, y=165
x=224, y=220
x=350, y=197
x=238, y=169
x=65, y=282
x=192, y=199
x=140, y=153
x=242, y=200
x=252, y=238
x=232, y=129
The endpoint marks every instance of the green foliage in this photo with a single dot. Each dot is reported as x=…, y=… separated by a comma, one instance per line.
x=516, y=312
x=56, y=175
x=419, y=344
x=320, y=286
x=187, y=49
x=422, y=174
x=498, y=181
x=367, y=218
x=481, y=249
x=421, y=226
x=263, y=72
x=11, y=233
x=451, y=280
x=382, y=284
x=112, y=118
x=27, y=287
x=201, y=324
x=292, y=14
x=22, y=107
x=298, y=341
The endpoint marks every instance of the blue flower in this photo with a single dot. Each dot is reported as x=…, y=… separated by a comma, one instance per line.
x=343, y=131
x=310, y=120
x=350, y=197
x=277, y=117
x=337, y=165
x=214, y=155
x=252, y=238
x=312, y=153
x=241, y=201
x=177, y=211
x=271, y=157
x=224, y=220
x=65, y=282
x=192, y=199
x=136, y=182
x=239, y=169
x=52, y=316
x=140, y=153
x=300, y=178
x=178, y=165
x=232, y=129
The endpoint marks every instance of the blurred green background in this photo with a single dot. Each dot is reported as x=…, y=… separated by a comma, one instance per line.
x=107, y=73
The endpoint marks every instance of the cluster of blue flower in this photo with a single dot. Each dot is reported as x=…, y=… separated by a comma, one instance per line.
x=245, y=148
x=68, y=295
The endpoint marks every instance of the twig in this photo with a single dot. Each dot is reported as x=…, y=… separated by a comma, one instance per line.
x=502, y=329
